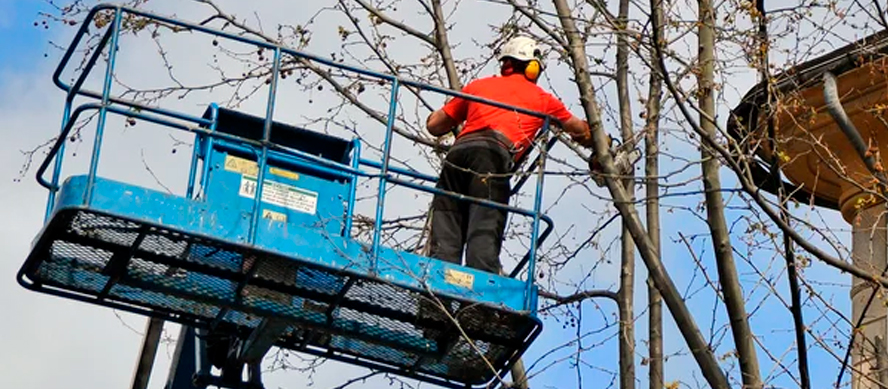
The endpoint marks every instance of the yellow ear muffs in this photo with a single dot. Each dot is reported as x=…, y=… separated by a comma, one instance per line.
x=532, y=70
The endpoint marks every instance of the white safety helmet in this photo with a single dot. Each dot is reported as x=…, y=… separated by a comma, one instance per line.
x=522, y=48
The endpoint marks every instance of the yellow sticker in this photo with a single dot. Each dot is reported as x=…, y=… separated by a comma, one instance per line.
x=456, y=277
x=284, y=173
x=276, y=216
x=251, y=168
x=241, y=165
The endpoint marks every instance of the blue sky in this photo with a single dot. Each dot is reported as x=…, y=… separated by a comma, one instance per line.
x=23, y=43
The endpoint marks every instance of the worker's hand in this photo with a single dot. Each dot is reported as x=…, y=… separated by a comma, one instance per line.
x=585, y=141
x=596, y=170
x=579, y=131
x=439, y=123
x=594, y=164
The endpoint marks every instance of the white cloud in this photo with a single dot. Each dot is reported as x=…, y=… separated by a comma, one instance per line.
x=48, y=342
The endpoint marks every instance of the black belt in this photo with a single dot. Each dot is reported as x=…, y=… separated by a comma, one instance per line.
x=488, y=136
x=493, y=139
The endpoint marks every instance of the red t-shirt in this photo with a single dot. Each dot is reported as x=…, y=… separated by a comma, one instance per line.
x=513, y=90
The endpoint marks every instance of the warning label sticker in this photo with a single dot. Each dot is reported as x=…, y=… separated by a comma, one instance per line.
x=282, y=195
x=251, y=168
x=276, y=216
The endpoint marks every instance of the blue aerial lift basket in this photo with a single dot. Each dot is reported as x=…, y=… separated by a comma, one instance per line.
x=283, y=271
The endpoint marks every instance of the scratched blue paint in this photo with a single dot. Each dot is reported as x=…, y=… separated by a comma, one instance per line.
x=226, y=190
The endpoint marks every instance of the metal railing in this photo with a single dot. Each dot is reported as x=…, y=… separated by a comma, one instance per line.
x=264, y=148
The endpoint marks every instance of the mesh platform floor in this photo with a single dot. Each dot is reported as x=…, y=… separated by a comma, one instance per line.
x=345, y=316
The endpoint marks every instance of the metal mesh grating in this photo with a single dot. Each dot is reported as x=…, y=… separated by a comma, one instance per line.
x=197, y=279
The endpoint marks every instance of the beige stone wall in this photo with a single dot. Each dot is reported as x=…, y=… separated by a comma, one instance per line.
x=870, y=252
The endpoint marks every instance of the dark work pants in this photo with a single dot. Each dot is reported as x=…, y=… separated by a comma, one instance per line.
x=478, y=167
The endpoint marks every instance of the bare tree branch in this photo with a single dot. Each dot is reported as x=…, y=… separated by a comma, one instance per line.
x=684, y=320
x=396, y=24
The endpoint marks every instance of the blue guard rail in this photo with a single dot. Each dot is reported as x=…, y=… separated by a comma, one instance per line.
x=284, y=270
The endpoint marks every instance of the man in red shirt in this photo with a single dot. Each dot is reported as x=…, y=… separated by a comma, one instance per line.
x=479, y=163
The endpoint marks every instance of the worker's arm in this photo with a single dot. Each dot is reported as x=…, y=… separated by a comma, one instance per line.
x=439, y=123
x=578, y=130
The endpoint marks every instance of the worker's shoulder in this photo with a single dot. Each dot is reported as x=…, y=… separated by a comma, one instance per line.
x=485, y=82
x=511, y=82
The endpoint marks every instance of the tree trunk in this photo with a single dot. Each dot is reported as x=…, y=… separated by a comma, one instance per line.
x=444, y=46
x=627, y=252
x=683, y=319
x=652, y=206
x=721, y=240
